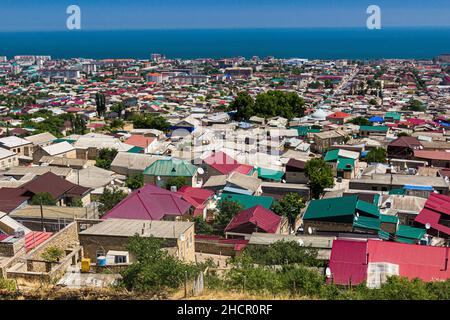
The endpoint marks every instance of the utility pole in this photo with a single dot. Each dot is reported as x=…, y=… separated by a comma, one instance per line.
x=42, y=217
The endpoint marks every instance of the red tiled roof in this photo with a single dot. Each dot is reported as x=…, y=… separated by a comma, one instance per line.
x=149, y=203
x=405, y=141
x=259, y=216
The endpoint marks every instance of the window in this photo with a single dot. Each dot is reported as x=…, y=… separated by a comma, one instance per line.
x=100, y=253
x=120, y=259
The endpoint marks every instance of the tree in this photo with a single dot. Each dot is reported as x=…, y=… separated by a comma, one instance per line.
x=227, y=209
x=76, y=202
x=43, y=198
x=244, y=105
x=155, y=270
x=360, y=121
x=289, y=206
x=135, y=181
x=377, y=155
x=105, y=158
x=176, y=182
x=100, y=102
x=118, y=108
x=320, y=176
x=416, y=105
x=52, y=254
x=110, y=198
x=202, y=227
x=79, y=125
x=402, y=134
x=150, y=122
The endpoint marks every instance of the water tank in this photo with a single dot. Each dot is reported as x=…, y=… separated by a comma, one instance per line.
x=101, y=261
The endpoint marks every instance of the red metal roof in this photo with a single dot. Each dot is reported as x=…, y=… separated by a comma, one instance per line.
x=258, y=216
x=35, y=238
x=338, y=115
x=435, y=206
x=432, y=154
x=149, y=203
x=222, y=162
x=349, y=260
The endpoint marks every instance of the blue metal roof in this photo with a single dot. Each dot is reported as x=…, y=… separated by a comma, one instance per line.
x=423, y=188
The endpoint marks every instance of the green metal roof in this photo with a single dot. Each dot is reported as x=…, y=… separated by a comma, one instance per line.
x=366, y=223
x=367, y=208
x=374, y=128
x=405, y=240
x=410, y=232
x=332, y=155
x=331, y=208
x=393, y=115
x=171, y=167
x=376, y=198
x=383, y=235
x=269, y=174
x=385, y=218
x=397, y=191
x=136, y=149
x=248, y=201
x=62, y=140
x=345, y=164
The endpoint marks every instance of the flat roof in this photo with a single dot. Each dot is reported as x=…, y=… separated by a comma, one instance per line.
x=400, y=179
x=129, y=227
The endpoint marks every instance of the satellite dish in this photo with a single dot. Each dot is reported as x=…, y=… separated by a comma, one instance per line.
x=300, y=242
x=200, y=171
x=159, y=178
x=310, y=230
x=427, y=226
x=357, y=214
x=328, y=272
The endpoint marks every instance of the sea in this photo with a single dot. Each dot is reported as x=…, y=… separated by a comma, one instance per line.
x=314, y=43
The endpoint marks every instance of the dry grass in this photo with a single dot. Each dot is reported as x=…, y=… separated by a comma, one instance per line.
x=228, y=295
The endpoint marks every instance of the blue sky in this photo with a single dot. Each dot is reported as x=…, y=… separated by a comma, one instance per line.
x=41, y=15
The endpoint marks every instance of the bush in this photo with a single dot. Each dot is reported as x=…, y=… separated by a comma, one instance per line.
x=52, y=254
x=7, y=285
x=43, y=198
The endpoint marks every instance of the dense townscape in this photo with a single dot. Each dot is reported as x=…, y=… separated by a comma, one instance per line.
x=207, y=177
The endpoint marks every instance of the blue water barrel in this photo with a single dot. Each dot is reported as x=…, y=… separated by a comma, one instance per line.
x=101, y=261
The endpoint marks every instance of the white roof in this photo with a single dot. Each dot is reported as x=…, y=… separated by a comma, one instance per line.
x=13, y=141
x=5, y=153
x=58, y=148
x=101, y=141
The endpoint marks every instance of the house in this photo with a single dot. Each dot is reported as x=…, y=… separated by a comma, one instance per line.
x=8, y=159
x=403, y=147
x=434, y=158
x=151, y=203
x=61, y=190
x=62, y=149
x=344, y=162
x=372, y=261
x=18, y=145
x=386, y=182
x=162, y=170
x=435, y=215
x=295, y=171
x=200, y=199
x=41, y=139
x=255, y=219
x=141, y=141
x=268, y=174
x=237, y=182
x=219, y=163
x=108, y=238
x=89, y=145
x=323, y=140
x=128, y=164
x=367, y=131
x=338, y=117
x=392, y=117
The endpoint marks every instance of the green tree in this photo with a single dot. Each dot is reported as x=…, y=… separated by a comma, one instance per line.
x=360, y=121
x=176, y=182
x=105, y=158
x=76, y=202
x=52, y=254
x=227, y=209
x=202, y=227
x=320, y=176
x=244, y=105
x=110, y=198
x=135, y=181
x=150, y=122
x=289, y=206
x=377, y=155
x=416, y=105
x=100, y=102
x=402, y=134
x=43, y=198
x=118, y=108
x=155, y=270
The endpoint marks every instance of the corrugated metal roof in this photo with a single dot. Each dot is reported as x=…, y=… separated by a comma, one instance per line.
x=171, y=167
x=331, y=207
